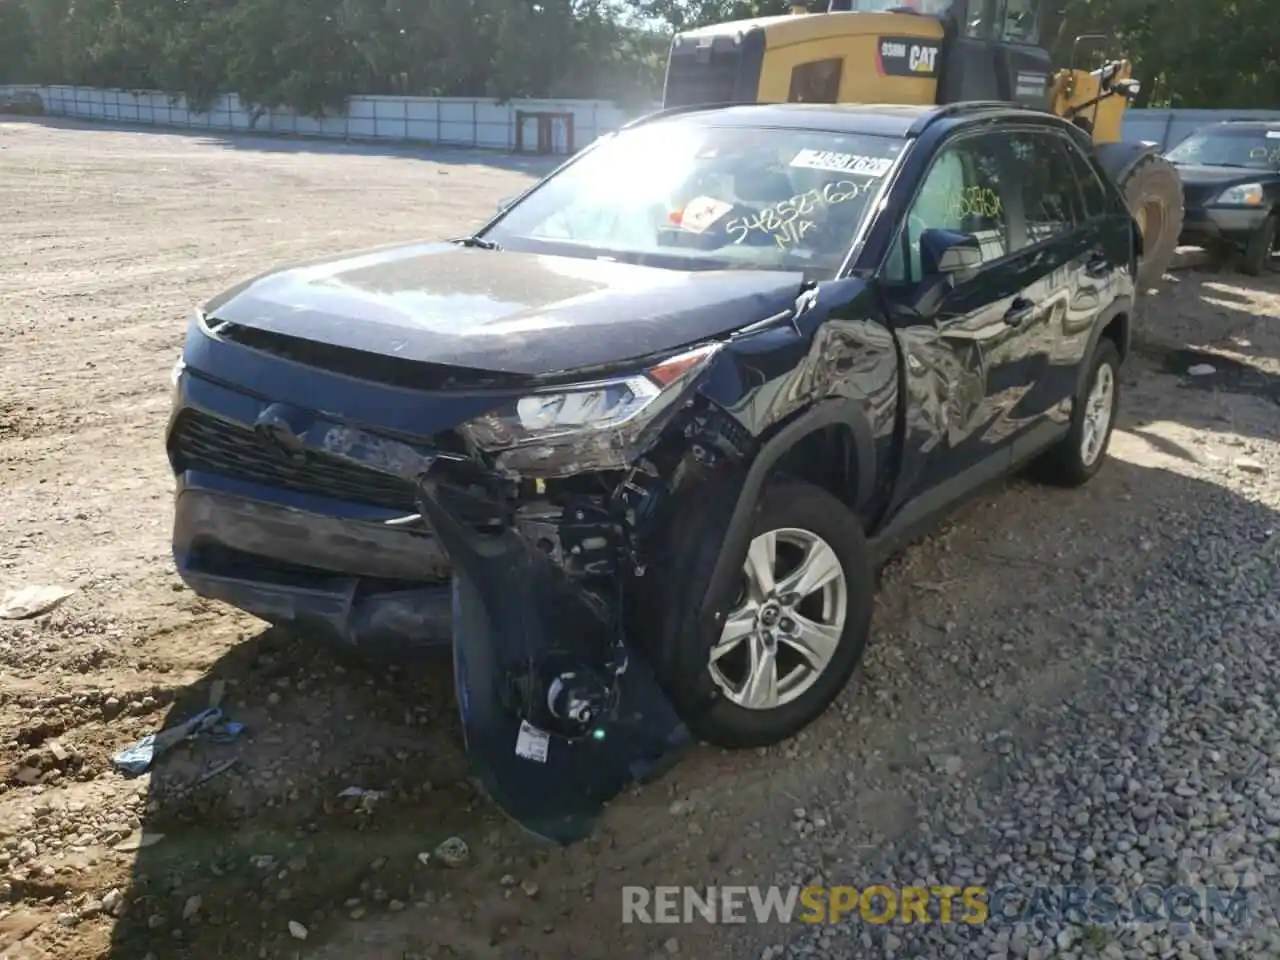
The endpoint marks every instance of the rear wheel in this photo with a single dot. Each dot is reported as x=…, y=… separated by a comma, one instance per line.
x=1257, y=252
x=1074, y=460
x=1153, y=191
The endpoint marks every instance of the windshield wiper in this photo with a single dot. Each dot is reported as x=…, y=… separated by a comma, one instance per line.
x=479, y=243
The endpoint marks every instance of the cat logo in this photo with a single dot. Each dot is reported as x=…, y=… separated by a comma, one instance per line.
x=921, y=59
x=907, y=57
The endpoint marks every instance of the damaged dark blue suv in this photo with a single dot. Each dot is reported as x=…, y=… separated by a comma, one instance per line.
x=637, y=446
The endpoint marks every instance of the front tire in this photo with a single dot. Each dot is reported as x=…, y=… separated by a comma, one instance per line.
x=795, y=631
x=1074, y=460
x=1257, y=251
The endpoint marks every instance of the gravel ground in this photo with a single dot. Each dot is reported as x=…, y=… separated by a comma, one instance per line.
x=1063, y=687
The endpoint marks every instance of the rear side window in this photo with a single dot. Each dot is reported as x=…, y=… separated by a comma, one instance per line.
x=1052, y=202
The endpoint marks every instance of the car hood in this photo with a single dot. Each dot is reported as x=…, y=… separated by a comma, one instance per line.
x=1224, y=176
x=507, y=312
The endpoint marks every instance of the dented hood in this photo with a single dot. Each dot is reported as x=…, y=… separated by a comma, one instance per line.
x=502, y=311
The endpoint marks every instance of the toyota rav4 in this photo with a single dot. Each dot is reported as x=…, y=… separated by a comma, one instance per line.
x=637, y=445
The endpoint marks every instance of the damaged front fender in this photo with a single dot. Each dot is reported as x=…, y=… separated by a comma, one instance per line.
x=558, y=715
x=583, y=599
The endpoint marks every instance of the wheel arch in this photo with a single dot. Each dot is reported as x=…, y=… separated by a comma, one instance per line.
x=844, y=419
x=1116, y=326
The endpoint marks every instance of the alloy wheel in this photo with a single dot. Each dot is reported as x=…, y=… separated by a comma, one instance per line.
x=1097, y=414
x=787, y=621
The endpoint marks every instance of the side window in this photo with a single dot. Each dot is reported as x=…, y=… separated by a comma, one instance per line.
x=1094, y=194
x=816, y=82
x=961, y=192
x=977, y=24
x=1051, y=198
x=1018, y=21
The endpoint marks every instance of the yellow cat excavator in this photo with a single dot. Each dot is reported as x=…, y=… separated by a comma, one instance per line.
x=925, y=52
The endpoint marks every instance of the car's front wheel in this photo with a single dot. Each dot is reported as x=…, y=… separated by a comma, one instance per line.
x=1262, y=242
x=797, y=626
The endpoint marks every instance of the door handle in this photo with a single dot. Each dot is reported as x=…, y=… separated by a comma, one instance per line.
x=1098, y=266
x=1019, y=312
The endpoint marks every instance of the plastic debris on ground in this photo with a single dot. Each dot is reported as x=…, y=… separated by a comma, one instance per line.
x=210, y=725
x=366, y=799
x=32, y=601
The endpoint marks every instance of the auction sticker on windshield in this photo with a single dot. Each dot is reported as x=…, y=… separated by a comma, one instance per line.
x=700, y=213
x=841, y=162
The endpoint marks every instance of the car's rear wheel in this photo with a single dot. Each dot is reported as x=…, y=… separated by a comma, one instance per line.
x=1257, y=251
x=1079, y=455
x=796, y=627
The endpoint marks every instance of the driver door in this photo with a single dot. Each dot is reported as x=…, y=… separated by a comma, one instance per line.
x=960, y=359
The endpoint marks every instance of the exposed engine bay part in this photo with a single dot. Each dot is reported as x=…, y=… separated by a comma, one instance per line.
x=558, y=717
x=560, y=710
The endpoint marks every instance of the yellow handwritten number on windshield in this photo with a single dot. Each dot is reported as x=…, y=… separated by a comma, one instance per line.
x=785, y=220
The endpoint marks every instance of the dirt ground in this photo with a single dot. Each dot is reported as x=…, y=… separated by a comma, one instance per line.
x=108, y=239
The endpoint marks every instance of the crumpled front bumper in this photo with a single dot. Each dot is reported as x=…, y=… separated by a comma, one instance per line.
x=559, y=713
x=357, y=582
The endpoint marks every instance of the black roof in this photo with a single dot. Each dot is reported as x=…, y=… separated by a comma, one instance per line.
x=884, y=119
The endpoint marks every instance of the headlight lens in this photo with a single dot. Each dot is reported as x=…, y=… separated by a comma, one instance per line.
x=585, y=427
x=1244, y=195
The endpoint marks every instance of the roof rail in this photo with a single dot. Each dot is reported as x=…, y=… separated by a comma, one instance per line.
x=958, y=109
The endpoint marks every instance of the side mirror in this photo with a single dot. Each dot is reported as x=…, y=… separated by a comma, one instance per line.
x=945, y=258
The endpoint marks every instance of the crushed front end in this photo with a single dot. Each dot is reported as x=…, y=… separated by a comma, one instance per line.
x=557, y=622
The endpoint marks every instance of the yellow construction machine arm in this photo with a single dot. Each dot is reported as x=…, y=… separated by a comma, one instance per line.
x=1095, y=99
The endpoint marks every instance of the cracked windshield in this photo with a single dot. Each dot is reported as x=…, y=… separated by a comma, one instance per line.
x=710, y=198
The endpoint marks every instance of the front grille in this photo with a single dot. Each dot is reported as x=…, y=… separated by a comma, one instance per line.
x=204, y=442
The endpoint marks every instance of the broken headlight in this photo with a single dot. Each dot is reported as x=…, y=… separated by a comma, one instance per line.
x=585, y=427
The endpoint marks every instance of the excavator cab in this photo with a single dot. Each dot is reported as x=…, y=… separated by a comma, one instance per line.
x=923, y=51
x=932, y=52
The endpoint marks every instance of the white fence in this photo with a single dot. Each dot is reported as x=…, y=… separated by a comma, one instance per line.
x=466, y=122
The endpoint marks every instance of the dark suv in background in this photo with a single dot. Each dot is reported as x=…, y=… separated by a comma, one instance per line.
x=1231, y=188
x=638, y=444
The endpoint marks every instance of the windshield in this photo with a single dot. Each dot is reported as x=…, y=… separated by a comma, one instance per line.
x=684, y=195
x=1254, y=147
